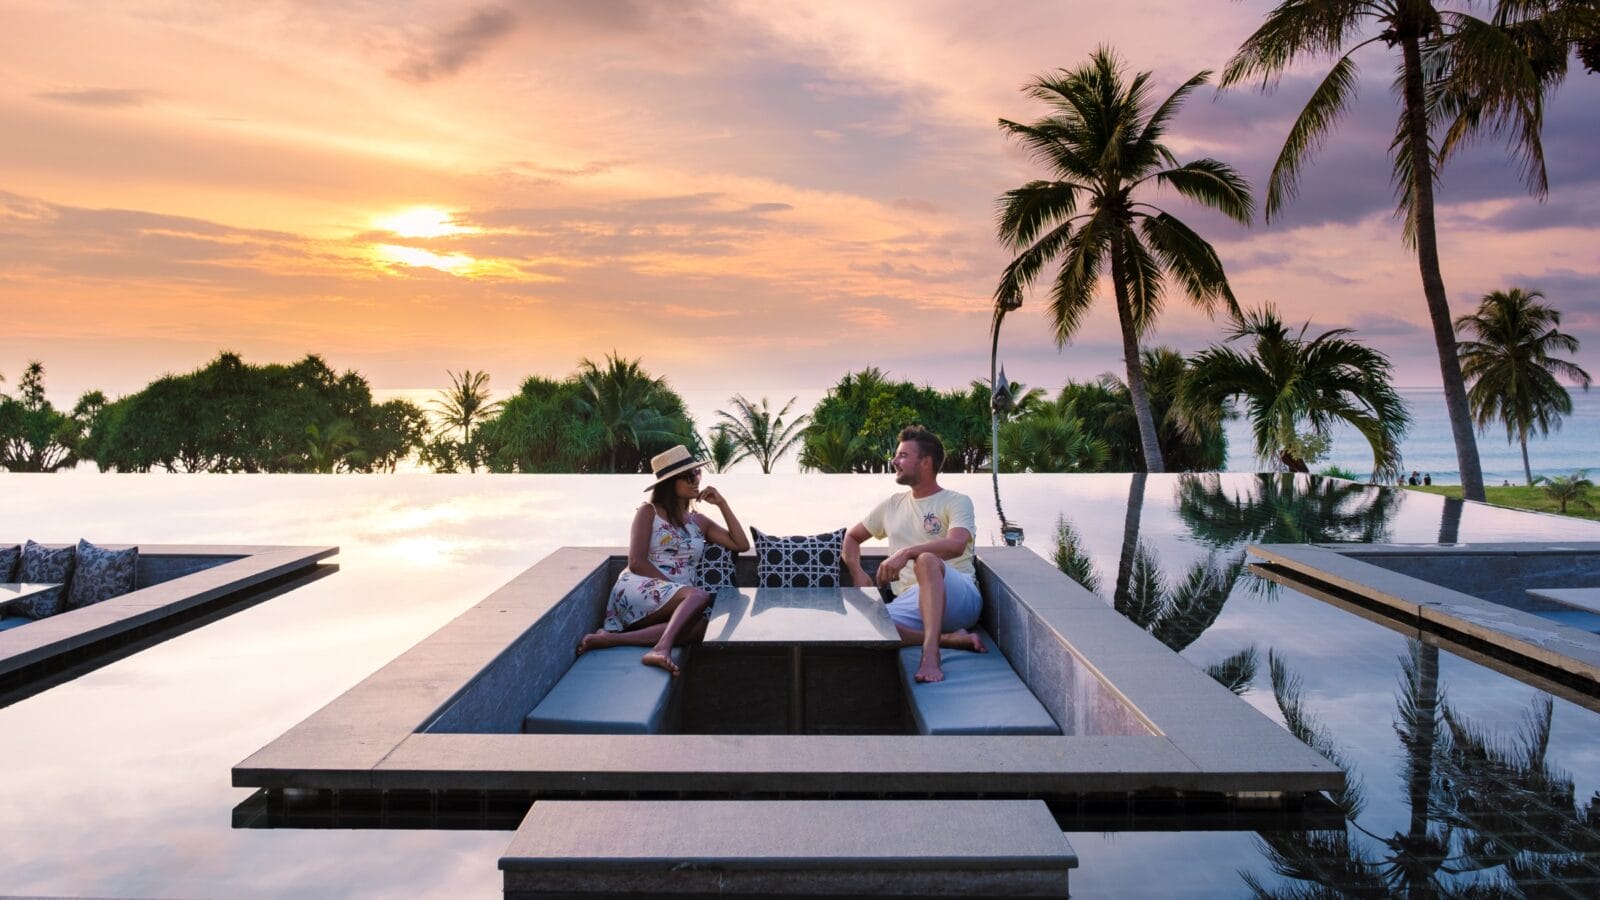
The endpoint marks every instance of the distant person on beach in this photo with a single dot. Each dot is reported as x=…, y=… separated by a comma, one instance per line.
x=1426, y=478
x=655, y=603
x=930, y=568
x=1414, y=480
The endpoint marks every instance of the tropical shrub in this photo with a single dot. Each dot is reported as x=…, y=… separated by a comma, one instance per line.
x=230, y=416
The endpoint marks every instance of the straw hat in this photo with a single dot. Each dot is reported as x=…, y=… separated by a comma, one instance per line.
x=671, y=463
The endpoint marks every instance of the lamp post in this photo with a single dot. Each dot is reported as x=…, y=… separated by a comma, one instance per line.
x=1000, y=401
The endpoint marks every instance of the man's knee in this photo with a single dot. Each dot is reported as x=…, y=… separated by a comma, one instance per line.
x=929, y=566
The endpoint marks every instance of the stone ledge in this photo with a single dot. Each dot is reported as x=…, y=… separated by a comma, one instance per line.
x=243, y=567
x=905, y=847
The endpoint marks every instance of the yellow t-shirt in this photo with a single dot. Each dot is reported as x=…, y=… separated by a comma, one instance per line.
x=907, y=521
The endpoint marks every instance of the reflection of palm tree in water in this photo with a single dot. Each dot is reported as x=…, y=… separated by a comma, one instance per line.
x=1175, y=612
x=1284, y=509
x=1476, y=802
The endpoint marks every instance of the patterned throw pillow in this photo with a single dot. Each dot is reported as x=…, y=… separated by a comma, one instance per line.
x=799, y=560
x=101, y=574
x=43, y=565
x=9, y=557
x=716, y=568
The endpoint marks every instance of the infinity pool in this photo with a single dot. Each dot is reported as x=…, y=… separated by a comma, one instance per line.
x=117, y=783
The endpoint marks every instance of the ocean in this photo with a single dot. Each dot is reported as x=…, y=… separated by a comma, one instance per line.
x=1426, y=448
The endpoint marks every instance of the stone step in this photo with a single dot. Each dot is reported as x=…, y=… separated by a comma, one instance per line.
x=834, y=847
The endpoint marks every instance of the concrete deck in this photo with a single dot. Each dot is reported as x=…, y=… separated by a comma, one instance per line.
x=764, y=847
x=176, y=579
x=446, y=714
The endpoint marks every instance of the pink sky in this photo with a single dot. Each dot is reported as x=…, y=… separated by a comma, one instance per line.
x=750, y=196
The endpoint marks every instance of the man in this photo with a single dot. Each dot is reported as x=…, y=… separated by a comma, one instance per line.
x=930, y=554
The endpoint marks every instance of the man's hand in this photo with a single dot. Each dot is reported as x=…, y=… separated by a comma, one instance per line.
x=889, y=569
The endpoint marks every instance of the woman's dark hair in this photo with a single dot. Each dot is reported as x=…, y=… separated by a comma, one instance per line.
x=928, y=444
x=665, y=498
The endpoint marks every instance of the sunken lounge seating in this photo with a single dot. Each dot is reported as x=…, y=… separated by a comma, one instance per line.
x=607, y=691
x=981, y=694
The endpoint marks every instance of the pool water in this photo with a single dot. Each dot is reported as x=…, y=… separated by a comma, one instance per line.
x=117, y=783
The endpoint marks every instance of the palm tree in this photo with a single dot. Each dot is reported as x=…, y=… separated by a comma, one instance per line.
x=638, y=413
x=464, y=406
x=1051, y=437
x=758, y=433
x=330, y=445
x=1295, y=390
x=721, y=450
x=1566, y=489
x=1302, y=28
x=1103, y=144
x=1511, y=366
x=834, y=448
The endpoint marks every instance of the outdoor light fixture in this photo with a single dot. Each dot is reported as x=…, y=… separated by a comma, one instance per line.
x=1000, y=401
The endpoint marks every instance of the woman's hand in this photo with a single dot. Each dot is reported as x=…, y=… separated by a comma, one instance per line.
x=712, y=495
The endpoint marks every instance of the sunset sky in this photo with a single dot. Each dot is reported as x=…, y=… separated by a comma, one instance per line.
x=750, y=196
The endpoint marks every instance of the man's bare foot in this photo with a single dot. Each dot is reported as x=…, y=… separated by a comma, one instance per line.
x=599, y=639
x=963, y=640
x=660, y=659
x=929, y=671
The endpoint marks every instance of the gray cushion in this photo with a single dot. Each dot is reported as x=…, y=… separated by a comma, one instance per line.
x=41, y=565
x=9, y=622
x=980, y=694
x=607, y=691
x=9, y=557
x=101, y=574
x=798, y=561
x=716, y=570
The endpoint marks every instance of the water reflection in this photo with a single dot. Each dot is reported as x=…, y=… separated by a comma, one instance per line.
x=116, y=783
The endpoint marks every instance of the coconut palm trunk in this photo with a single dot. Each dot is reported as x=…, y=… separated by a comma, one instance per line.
x=1527, y=470
x=1444, y=335
x=1140, y=395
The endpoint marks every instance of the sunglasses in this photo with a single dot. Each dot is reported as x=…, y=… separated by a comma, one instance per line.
x=691, y=475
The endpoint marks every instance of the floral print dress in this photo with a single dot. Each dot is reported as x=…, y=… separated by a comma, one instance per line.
x=676, y=552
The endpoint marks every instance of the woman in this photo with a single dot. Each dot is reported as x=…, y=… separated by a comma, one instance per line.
x=655, y=603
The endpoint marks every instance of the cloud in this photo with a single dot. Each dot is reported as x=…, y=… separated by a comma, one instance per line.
x=447, y=53
x=99, y=98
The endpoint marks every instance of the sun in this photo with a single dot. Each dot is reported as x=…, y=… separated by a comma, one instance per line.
x=421, y=222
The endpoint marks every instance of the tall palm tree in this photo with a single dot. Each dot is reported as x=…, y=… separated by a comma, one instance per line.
x=1103, y=145
x=1511, y=365
x=758, y=433
x=1296, y=389
x=1296, y=29
x=464, y=406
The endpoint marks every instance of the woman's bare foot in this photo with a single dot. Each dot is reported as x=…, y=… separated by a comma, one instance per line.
x=963, y=640
x=601, y=638
x=660, y=659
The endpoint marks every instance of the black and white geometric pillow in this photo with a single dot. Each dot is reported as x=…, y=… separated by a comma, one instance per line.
x=798, y=560
x=716, y=570
x=101, y=574
x=9, y=557
x=41, y=565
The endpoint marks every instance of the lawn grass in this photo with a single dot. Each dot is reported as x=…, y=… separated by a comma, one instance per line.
x=1520, y=497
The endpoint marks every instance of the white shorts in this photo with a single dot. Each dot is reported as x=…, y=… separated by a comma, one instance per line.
x=962, y=603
